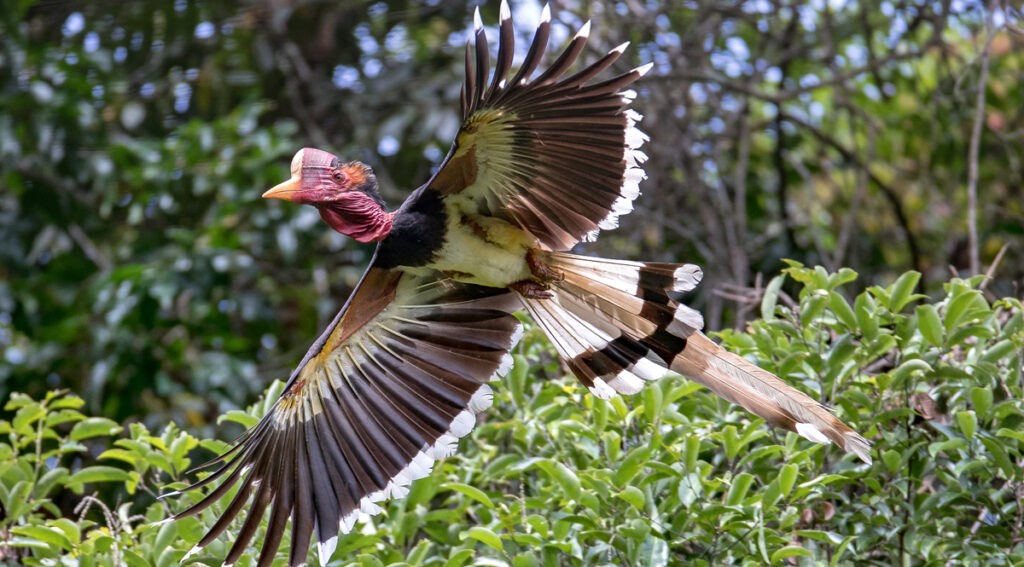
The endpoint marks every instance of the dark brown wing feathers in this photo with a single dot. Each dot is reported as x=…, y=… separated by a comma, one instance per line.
x=398, y=380
x=530, y=150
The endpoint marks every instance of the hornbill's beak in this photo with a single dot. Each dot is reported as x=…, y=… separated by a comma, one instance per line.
x=284, y=190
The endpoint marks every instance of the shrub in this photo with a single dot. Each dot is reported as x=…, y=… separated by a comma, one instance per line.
x=674, y=475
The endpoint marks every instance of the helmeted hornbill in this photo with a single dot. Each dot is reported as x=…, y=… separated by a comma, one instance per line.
x=540, y=163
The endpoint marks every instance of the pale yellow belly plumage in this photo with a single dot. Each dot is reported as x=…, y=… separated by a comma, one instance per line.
x=482, y=250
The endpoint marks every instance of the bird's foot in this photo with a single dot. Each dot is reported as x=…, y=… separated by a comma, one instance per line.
x=532, y=290
x=542, y=271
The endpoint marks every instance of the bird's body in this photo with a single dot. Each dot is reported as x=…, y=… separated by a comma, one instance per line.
x=475, y=249
x=540, y=164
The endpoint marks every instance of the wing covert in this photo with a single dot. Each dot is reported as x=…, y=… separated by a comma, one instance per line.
x=388, y=389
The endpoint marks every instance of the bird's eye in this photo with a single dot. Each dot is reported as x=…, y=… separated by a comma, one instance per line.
x=338, y=176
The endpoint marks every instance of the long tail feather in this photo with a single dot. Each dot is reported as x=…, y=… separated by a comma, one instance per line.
x=616, y=326
x=762, y=393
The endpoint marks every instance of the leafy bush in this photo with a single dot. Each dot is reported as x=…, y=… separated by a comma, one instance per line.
x=553, y=476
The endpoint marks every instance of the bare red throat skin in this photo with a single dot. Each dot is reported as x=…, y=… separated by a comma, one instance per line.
x=356, y=215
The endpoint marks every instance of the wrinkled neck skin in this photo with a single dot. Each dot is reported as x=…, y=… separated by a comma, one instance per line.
x=357, y=216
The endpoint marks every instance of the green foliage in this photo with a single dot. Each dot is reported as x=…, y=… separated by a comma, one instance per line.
x=674, y=475
x=139, y=269
x=47, y=459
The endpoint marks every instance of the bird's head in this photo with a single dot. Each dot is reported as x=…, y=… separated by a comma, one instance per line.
x=345, y=193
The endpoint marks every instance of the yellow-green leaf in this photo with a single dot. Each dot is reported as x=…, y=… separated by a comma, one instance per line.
x=471, y=491
x=485, y=536
x=94, y=427
x=789, y=551
x=51, y=536
x=99, y=474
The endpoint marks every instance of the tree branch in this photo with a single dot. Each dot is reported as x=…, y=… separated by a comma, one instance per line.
x=744, y=86
x=972, y=160
x=889, y=192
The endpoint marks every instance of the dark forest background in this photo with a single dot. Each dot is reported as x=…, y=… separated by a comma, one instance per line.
x=140, y=269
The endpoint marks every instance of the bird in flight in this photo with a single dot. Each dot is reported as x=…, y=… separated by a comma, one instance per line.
x=542, y=161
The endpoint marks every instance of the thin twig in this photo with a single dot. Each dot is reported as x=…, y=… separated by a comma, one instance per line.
x=992, y=268
x=972, y=162
x=88, y=248
x=787, y=95
x=740, y=263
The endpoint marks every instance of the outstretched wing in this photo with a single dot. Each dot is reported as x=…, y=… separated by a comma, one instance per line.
x=389, y=387
x=557, y=157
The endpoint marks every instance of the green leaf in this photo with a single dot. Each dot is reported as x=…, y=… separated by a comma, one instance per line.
x=1004, y=432
x=787, y=478
x=771, y=297
x=790, y=551
x=999, y=351
x=567, y=479
x=120, y=455
x=27, y=416
x=929, y=324
x=738, y=491
x=527, y=559
x=902, y=290
x=893, y=460
x=459, y=558
x=49, y=480
x=99, y=474
x=812, y=306
x=690, y=489
x=961, y=307
x=165, y=536
x=981, y=399
x=18, y=401
x=633, y=495
x=470, y=491
x=69, y=401
x=16, y=501
x=134, y=559
x=654, y=552
x=516, y=379
x=56, y=418
x=837, y=303
x=631, y=465
x=949, y=446
x=652, y=403
x=50, y=536
x=1000, y=457
x=867, y=319
x=968, y=422
x=71, y=529
x=843, y=276
x=907, y=369
x=238, y=416
x=730, y=440
x=483, y=535
x=94, y=427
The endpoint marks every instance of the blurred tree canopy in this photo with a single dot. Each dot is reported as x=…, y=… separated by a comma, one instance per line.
x=139, y=268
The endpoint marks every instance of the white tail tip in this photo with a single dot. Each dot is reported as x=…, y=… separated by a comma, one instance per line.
x=584, y=31
x=811, y=433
